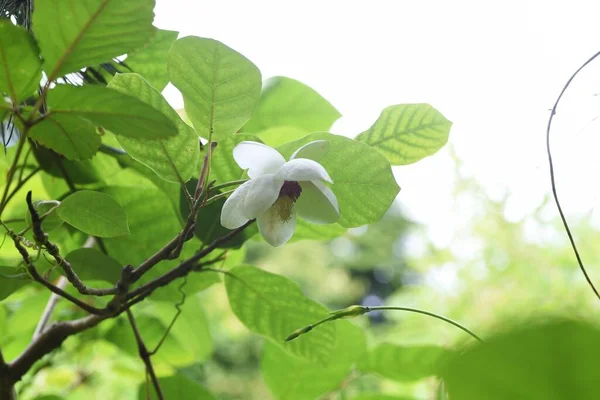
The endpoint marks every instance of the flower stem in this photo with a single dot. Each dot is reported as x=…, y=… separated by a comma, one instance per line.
x=227, y=184
x=218, y=196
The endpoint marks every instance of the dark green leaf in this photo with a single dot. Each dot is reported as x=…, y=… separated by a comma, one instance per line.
x=73, y=137
x=73, y=35
x=273, y=306
x=554, y=360
x=292, y=378
x=362, y=178
x=406, y=133
x=94, y=213
x=179, y=152
x=177, y=387
x=121, y=114
x=20, y=63
x=151, y=60
x=79, y=172
x=287, y=102
x=403, y=363
x=220, y=87
x=10, y=284
x=91, y=264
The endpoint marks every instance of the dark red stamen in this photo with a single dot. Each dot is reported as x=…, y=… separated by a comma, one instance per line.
x=290, y=189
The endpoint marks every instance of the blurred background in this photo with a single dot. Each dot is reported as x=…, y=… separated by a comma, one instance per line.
x=473, y=234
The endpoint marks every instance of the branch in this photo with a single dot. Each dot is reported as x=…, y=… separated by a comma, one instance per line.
x=181, y=270
x=48, y=341
x=145, y=355
x=552, y=179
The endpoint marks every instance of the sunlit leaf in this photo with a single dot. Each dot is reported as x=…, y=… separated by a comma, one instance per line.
x=287, y=102
x=73, y=35
x=179, y=152
x=550, y=361
x=362, y=178
x=73, y=137
x=274, y=306
x=293, y=378
x=151, y=60
x=94, y=213
x=220, y=87
x=20, y=63
x=280, y=135
x=403, y=363
x=406, y=133
x=177, y=387
x=119, y=113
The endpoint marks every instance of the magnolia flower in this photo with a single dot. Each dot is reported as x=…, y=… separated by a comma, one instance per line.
x=277, y=190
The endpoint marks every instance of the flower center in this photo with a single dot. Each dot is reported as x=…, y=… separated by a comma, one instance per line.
x=288, y=194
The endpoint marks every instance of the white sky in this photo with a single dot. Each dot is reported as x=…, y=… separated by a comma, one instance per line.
x=493, y=68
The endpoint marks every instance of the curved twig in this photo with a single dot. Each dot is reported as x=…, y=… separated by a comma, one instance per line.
x=552, y=179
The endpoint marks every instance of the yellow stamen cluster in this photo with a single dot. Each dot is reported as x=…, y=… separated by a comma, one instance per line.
x=284, y=206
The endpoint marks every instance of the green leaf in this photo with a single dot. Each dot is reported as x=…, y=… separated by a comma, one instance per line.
x=553, y=360
x=73, y=35
x=287, y=102
x=280, y=135
x=223, y=167
x=119, y=113
x=20, y=63
x=91, y=264
x=162, y=156
x=406, y=133
x=403, y=363
x=292, y=378
x=220, y=87
x=50, y=221
x=151, y=60
x=273, y=306
x=177, y=387
x=309, y=231
x=73, y=137
x=94, y=213
x=10, y=285
x=380, y=396
x=362, y=178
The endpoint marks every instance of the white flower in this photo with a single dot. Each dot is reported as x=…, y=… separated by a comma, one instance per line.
x=278, y=189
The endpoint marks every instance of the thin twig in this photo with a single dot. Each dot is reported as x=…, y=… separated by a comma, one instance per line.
x=144, y=355
x=553, y=181
x=177, y=314
x=61, y=284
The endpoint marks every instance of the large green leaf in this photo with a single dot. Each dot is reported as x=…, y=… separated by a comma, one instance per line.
x=406, y=133
x=403, y=363
x=362, y=178
x=10, y=284
x=151, y=60
x=121, y=114
x=274, y=306
x=293, y=378
x=179, y=152
x=153, y=223
x=20, y=63
x=94, y=213
x=91, y=264
x=287, y=102
x=178, y=387
x=280, y=135
x=75, y=34
x=551, y=361
x=73, y=137
x=220, y=87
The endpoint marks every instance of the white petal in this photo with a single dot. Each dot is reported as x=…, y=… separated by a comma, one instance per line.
x=258, y=158
x=275, y=231
x=261, y=194
x=302, y=169
x=232, y=215
x=314, y=150
x=317, y=203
